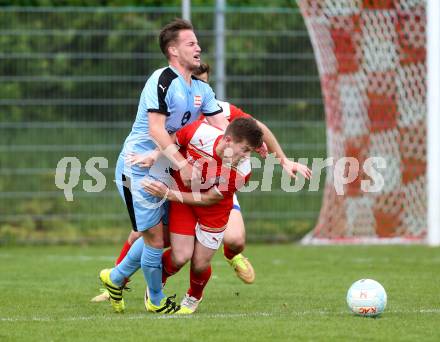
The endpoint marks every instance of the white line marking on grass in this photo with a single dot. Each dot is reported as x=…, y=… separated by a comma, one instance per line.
x=134, y=317
x=429, y=311
x=320, y=312
x=201, y=315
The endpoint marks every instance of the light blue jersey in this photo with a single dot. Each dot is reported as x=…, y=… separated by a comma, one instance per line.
x=166, y=92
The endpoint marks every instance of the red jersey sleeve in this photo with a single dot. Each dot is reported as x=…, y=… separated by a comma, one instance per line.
x=237, y=113
x=182, y=138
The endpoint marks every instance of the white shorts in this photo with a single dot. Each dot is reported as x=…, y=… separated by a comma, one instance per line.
x=209, y=240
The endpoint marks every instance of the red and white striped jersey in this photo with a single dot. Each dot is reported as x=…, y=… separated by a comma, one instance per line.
x=198, y=142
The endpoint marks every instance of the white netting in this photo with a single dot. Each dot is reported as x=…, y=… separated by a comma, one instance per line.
x=371, y=59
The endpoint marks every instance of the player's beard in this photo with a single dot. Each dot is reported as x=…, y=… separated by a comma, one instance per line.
x=193, y=67
x=192, y=64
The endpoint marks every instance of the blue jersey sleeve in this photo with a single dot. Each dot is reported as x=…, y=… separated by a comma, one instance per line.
x=156, y=92
x=210, y=106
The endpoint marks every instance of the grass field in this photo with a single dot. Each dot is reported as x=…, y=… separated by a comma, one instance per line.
x=299, y=295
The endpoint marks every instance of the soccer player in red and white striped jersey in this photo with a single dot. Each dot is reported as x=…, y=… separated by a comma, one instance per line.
x=199, y=215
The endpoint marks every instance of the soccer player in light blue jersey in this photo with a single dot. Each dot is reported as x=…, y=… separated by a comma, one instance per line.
x=171, y=99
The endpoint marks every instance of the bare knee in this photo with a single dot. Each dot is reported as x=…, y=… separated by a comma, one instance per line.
x=133, y=237
x=235, y=242
x=155, y=242
x=235, y=234
x=154, y=236
x=180, y=257
x=199, y=266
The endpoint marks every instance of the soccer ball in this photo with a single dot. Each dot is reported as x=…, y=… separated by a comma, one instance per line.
x=366, y=297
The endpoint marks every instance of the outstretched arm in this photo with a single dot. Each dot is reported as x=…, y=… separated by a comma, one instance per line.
x=273, y=146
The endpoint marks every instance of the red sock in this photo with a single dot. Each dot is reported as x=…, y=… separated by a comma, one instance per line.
x=168, y=267
x=123, y=252
x=198, y=282
x=229, y=253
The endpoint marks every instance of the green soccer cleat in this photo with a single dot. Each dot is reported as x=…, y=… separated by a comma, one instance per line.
x=114, y=291
x=243, y=268
x=102, y=297
x=167, y=306
x=188, y=305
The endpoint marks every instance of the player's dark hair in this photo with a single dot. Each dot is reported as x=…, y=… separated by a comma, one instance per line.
x=203, y=68
x=245, y=129
x=170, y=33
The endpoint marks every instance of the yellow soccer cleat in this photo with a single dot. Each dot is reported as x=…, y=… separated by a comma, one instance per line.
x=114, y=291
x=146, y=294
x=243, y=268
x=167, y=306
x=102, y=297
x=188, y=305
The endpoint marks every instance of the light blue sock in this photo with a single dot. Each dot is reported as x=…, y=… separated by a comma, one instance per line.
x=130, y=264
x=151, y=264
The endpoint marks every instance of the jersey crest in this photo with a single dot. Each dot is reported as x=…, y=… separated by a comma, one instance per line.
x=197, y=101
